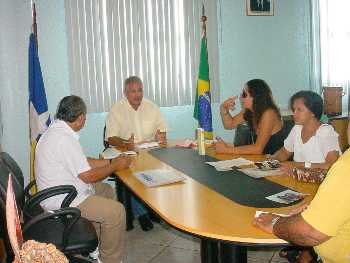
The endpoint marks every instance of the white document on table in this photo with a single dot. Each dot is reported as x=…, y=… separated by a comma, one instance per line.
x=258, y=173
x=147, y=145
x=110, y=153
x=157, y=177
x=227, y=165
x=258, y=213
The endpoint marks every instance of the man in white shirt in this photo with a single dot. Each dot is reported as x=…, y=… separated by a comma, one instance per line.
x=60, y=160
x=134, y=120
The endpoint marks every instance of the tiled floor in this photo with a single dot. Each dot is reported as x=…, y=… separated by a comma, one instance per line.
x=167, y=245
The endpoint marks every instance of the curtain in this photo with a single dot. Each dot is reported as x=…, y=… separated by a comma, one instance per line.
x=315, y=60
x=157, y=40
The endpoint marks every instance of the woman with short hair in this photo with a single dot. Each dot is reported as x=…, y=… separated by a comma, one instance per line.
x=312, y=143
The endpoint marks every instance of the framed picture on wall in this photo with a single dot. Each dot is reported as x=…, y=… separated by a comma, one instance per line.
x=260, y=7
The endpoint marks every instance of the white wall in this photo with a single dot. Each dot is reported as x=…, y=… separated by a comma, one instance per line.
x=15, y=19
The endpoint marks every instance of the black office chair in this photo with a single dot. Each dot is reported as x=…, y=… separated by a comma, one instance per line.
x=105, y=143
x=243, y=135
x=65, y=228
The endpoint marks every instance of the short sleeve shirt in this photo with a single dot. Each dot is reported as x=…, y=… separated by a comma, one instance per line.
x=123, y=121
x=59, y=159
x=329, y=212
x=315, y=150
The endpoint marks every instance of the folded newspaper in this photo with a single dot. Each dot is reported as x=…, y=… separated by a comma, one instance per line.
x=158, y=177
x=286, y=197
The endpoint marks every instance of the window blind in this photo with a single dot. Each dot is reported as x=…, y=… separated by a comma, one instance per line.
x=157, y=40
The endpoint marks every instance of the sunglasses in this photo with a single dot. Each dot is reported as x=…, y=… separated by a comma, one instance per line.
x=244, y=94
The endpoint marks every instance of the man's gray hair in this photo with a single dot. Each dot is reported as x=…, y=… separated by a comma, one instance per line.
x=70, y=108
x=132, y=79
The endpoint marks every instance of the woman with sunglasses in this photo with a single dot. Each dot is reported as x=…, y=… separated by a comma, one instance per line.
x=262, y=115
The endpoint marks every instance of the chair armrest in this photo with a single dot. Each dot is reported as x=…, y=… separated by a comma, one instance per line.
x=68, y=215
x=40, y=196
x=28, y=188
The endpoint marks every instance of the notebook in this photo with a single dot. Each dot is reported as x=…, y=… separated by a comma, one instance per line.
x=157, y=177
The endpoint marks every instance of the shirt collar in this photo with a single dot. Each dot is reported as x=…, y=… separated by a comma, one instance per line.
x=66, y=127
x=138, y=109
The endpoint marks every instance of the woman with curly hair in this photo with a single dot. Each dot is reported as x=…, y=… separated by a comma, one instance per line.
x=263, y=117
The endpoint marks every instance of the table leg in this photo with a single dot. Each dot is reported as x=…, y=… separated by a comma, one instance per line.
x=230, y=253
x=128, y=209
x=124, y=197
x=209, y=251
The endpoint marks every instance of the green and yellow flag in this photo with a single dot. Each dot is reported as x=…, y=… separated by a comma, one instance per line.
x=202, y=106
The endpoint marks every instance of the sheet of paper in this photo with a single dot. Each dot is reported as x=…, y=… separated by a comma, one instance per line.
x=227, y=165
x=110, y=153
x=258, y=173
x=157, y=177
x=258, y=213
x=147, y=145
x=286, y=197
x=130, y=152
x=186, y=144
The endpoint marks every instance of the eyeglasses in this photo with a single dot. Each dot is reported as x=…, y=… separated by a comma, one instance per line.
x=244, y=94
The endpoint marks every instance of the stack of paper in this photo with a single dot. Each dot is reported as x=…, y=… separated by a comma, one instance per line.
x=258, y=173
x=187, y=144
x=158, y=177
x=130, y=153
x=110, y=153
x=258, y=213
x=227, y=165
x=147, y=145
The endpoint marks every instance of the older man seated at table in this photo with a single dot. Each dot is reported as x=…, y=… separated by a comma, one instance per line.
x=325, y=223
x=134, y=120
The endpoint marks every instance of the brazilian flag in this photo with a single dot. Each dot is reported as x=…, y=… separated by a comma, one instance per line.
x=202, y=106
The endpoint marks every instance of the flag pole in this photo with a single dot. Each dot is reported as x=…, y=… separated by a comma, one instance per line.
x=203, y=20
x=33, y=143
x=34, y=25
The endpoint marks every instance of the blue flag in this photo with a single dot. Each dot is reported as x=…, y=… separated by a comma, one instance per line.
x=39, y=117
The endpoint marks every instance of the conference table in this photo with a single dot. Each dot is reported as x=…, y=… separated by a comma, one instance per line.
x=203, y=205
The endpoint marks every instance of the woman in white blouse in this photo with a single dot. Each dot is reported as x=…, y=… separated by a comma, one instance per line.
x=314, y=144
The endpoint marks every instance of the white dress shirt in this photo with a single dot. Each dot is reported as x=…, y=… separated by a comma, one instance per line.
x=59, y=159
x=123, y=121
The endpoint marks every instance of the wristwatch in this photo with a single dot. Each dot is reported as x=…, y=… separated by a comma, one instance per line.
x=307, y=165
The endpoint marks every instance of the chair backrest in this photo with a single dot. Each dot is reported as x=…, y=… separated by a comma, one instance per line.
x=19, y=198
x=18, y=187
x=13, y=166
x=105, y=143
x=243, y=135
x=13, y=223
